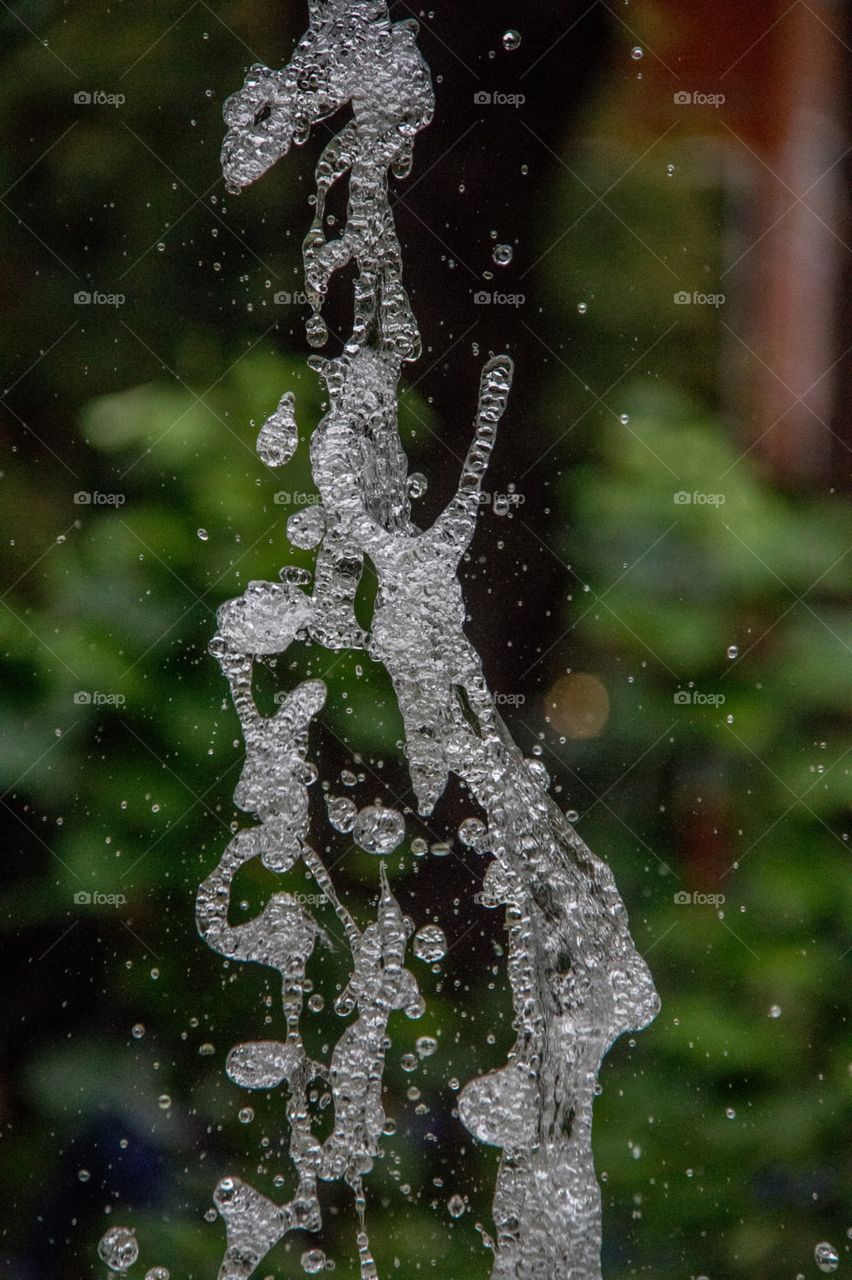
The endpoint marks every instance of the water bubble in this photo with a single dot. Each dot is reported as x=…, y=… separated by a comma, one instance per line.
x=733, y=651
x=417, y=484
x=426, y=1046
x=316, y=1002
x=408, y=1062
x=730, y=1113
x=511, y=40
x=313, y=1260
x=83, y=1175
x=206, y=1050
x=624, y=419
x=572, y=815
x=118, y=1248
x=826, y=1256
x=775, y=1011
x=164, y=1102
x=203, y=535
x=430, y=943
x=245, y=1115
x=671, y=170
x=157, y=1273
x=637, y=53
x=456, y=1206
x=378, y=830
x=474, y=834
x=582, y=308
x=419, y=847
x=342, y=812
x=137, y=1030
x=305, y=528
x=502, y=254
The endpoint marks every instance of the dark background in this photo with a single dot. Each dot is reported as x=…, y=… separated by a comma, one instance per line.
x=605, y=609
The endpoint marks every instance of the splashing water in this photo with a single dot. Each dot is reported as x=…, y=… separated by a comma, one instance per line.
x=577, y=980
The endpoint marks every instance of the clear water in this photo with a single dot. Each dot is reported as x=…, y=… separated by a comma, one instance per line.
x=577, y=980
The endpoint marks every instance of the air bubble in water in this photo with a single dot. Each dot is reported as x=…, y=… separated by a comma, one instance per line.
x=456, y=1206
x=378, y=830
x=582, y=308
x=502, y=254
x=313, y=1260
x=775, y=1011
x=203, y=535
x=118, y=1248
x=733, y=651
x=826, y=1256
x=637, y=53
x=430, y=943
x=137, y=1030
x=511, y=40
x=426, y=1046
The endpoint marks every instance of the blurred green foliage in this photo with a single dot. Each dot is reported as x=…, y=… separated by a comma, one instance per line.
x=717, y=1132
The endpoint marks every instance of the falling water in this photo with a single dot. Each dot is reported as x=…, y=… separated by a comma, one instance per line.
x=577, y=980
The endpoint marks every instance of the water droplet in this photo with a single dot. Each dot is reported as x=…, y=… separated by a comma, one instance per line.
x=342, y=812
x=83, y=1175
x=456, y=1206
x=118, y=1248
x=733, y=651
x=313, y=1260
x=157, y=1273
x=826, y=1256
x=206, y=1050
x=164, y=1102
x=245, y=1115
x=408, y=1062
x=775, y=1011
x=203, y=535
x=511, y=40
x=430, y=943
x=671, y=170
x=502, y=254
x=624, y=419
x=417, y=484
x=426, y=1046
x=730, y=1113
x=582, y=308
x=637, y=53
x=378, y=830
x=305, y=528
x=137, y=1030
